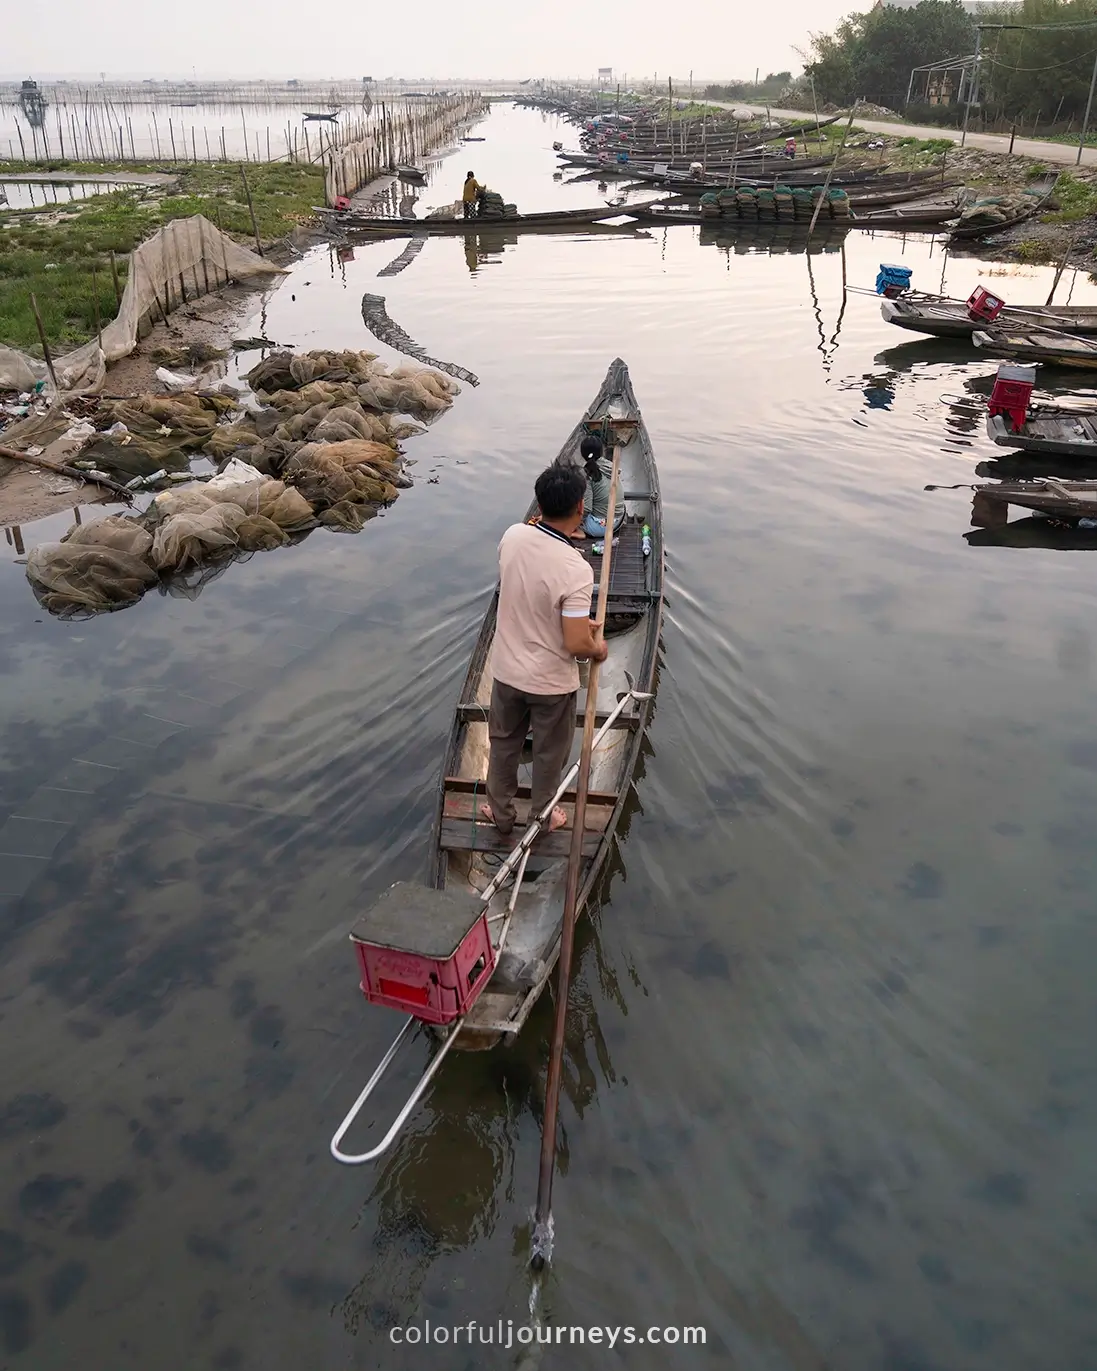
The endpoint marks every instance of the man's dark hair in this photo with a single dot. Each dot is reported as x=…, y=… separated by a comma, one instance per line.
x=559, y=489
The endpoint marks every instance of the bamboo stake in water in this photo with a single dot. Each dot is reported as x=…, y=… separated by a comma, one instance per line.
x=543, y=1216
x=830, y=169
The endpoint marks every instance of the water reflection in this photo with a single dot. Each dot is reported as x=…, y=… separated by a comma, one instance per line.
x=832, y=1054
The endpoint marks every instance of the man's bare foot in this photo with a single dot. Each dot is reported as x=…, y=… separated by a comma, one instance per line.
x=557, y=819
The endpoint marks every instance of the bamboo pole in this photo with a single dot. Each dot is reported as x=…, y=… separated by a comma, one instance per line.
x=251, y=211
x=114, y=277
x=830, y=170
x=543, y=1216
x=45, y=345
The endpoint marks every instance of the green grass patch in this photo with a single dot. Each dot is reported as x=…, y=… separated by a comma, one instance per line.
x=51, y=254
x=1077, y=200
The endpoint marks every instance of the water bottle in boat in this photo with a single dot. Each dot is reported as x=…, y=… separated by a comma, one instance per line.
x=645, y=540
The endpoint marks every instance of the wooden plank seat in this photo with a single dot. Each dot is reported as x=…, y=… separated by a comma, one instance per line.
x=464, y=829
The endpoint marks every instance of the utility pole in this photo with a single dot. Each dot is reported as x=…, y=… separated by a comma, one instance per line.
x=1089, y=108
x=972, y=81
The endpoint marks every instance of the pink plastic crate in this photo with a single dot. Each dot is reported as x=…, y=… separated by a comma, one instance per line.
x=426, y=952
x=984, y=306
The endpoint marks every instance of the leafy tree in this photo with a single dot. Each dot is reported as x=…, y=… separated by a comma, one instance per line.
x=1025, y=74
x=871, y=55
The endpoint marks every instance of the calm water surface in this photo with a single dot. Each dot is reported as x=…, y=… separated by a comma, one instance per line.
x=830, y=1088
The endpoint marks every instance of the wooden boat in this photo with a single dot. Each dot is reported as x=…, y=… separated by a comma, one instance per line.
x=348, y=222
x=942, y=318
x=466, y=851
x=1048, y=431
x=913, y=220
x=331, y=116
x=411, y=174
x=1066, y=500
x=1039, y=192
x=1038, y=345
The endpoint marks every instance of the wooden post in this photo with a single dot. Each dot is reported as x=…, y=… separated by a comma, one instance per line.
x=45, y=345
x=1062, y=264
x=171, y=130
x=571, y=898
x=95, y=294
x=114, y=277
x=251, y=211
x=830, y=170
x=1012, y=138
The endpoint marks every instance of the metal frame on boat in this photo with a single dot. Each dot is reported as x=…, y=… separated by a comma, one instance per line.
x=469, y=856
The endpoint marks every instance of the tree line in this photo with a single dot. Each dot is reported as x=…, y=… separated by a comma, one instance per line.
x=1024, y=73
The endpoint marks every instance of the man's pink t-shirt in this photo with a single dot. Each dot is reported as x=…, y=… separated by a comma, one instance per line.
x=541, y=577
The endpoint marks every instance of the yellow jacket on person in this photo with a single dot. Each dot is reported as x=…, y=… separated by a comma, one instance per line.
x=472, y=186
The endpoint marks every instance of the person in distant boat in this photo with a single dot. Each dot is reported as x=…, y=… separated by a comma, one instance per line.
x=471, y=195
x=543, y=626
x=596, y=500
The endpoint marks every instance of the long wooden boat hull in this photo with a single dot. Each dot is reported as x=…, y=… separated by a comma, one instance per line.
x=1047, y=348
x=1068, y=500
x=382, y=225
x=926, y=222
x=950, y=318
x=465, y=847
x=1049, y=431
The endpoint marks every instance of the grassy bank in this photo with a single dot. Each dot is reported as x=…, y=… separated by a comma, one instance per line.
x=51, y=253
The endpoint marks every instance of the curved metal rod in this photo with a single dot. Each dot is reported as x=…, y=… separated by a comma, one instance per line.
x=413, y=1099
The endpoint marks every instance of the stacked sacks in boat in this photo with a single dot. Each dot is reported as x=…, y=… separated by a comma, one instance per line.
x=838, y=203
x=710, y=205
x=492, y=206
x=784, y=204
x=803, y=204
x=746, y=202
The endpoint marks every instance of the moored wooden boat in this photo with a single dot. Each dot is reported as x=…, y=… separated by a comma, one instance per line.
x=913, y=220
x=1058, y=499
x=1039, y=194
x=466, y=850
x=348, y=222
x=1038, y=345
x=941, y=318
x=1048, y=431
x=413, y=174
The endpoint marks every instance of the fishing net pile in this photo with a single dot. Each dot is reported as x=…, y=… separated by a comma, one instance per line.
x=492, y=206
x=320, y=447
x=111, y=563
x=998, y=209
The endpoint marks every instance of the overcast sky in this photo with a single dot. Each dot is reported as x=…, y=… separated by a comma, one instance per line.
x=415, y=38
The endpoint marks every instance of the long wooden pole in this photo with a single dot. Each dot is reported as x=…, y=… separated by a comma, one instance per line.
x=45, y=344
x=830, y=169
x=542, y=1236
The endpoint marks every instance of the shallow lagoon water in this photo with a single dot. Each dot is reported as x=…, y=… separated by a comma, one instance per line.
x=829, y=1088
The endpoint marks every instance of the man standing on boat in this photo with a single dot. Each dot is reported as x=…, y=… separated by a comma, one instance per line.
x=470, y=196
x=542, y=627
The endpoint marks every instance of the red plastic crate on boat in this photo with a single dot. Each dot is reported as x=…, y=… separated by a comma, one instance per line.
x=1012, y=392
x=983, y=306
x=427, y=952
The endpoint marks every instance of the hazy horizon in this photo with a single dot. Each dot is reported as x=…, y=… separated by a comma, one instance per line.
x=568, y=40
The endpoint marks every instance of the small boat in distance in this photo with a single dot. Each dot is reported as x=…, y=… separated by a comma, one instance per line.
x=331, y=116
x=407, y=173
x=943, y=318
x=478, y=880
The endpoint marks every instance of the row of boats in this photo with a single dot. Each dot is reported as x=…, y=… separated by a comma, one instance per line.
x=1053, y=445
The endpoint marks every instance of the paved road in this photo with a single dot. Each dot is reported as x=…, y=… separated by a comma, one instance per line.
x=1059, y=153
